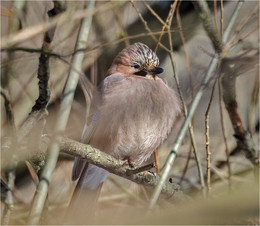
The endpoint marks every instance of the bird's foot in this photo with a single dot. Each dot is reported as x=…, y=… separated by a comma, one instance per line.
x=148, y=172
x=139, y=169
x=128, y=161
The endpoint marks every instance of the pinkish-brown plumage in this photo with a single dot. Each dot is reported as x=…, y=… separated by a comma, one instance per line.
x=131, y=114
x=135, y=117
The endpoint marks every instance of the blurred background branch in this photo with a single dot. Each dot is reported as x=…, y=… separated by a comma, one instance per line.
x=63, y=115
x=185, y=49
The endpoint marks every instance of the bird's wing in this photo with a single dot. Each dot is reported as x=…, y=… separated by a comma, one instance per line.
x=93, y=119
x=89, y=128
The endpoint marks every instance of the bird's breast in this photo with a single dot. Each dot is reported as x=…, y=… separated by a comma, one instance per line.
x=136, y=116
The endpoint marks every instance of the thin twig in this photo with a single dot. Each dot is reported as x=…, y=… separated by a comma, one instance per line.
x=167, y=23
x=190, y=79
x=181, y=134
x=235, y=42
x=221, y=18
x=244, y=22
x=232, y=21
x=121, y=25
x=215, y=13
x=184, y=49
x=186, y=164
x=207, y=138
x=254, y=100
x=200, y=172
x=224, y=131
x=85, y=50
x=147, y=27
x=154, y=13
x=32, y=31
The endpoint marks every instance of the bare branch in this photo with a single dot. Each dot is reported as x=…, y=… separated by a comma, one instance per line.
x=115, y=166
x=231, y=68
x=8, y=107
x=223, y=128
x=192, y=137
x=147, y=27
x=32, y=31
x=208, y=23
x=208, y=154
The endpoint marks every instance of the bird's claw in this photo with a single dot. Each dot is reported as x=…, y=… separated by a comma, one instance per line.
x=148, y=172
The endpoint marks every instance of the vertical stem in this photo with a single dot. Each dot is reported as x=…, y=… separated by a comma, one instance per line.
x=186, y=165
x=167, y=23
x=221, y=17
x=224, y=131
x=193, y=142
x=207, y=139
x=252, y=115
x=184, y=49
x=121, y=25
x=11, y=128
x=232, y=21
x=9, y=200
x=63, y=115
x=215, y=13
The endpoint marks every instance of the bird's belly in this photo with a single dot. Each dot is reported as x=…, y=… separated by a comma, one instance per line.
x=139, y=142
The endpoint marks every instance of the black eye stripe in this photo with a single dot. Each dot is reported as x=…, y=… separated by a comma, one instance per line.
x=141, y=73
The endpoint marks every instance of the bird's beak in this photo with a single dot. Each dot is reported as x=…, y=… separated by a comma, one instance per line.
x=156, y=71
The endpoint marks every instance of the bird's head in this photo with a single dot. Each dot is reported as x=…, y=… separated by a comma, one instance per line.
x=137, y=59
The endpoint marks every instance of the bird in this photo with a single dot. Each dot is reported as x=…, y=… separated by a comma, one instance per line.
x=132, y=113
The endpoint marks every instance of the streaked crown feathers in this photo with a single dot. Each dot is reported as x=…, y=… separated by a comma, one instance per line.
x=138, y=53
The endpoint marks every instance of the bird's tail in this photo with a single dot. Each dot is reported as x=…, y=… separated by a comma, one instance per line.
x=84, y=200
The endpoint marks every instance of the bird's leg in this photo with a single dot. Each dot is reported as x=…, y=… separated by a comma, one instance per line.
x=129, y=161
x=156, y=162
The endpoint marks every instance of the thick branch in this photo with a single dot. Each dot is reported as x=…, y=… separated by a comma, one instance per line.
x=43, y=69
x=108, y=162
x=231, y=68
x=8, y=108
x=209, y=25
x=43, y=76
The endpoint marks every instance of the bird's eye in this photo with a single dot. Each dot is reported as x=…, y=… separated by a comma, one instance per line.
x=136, y=66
